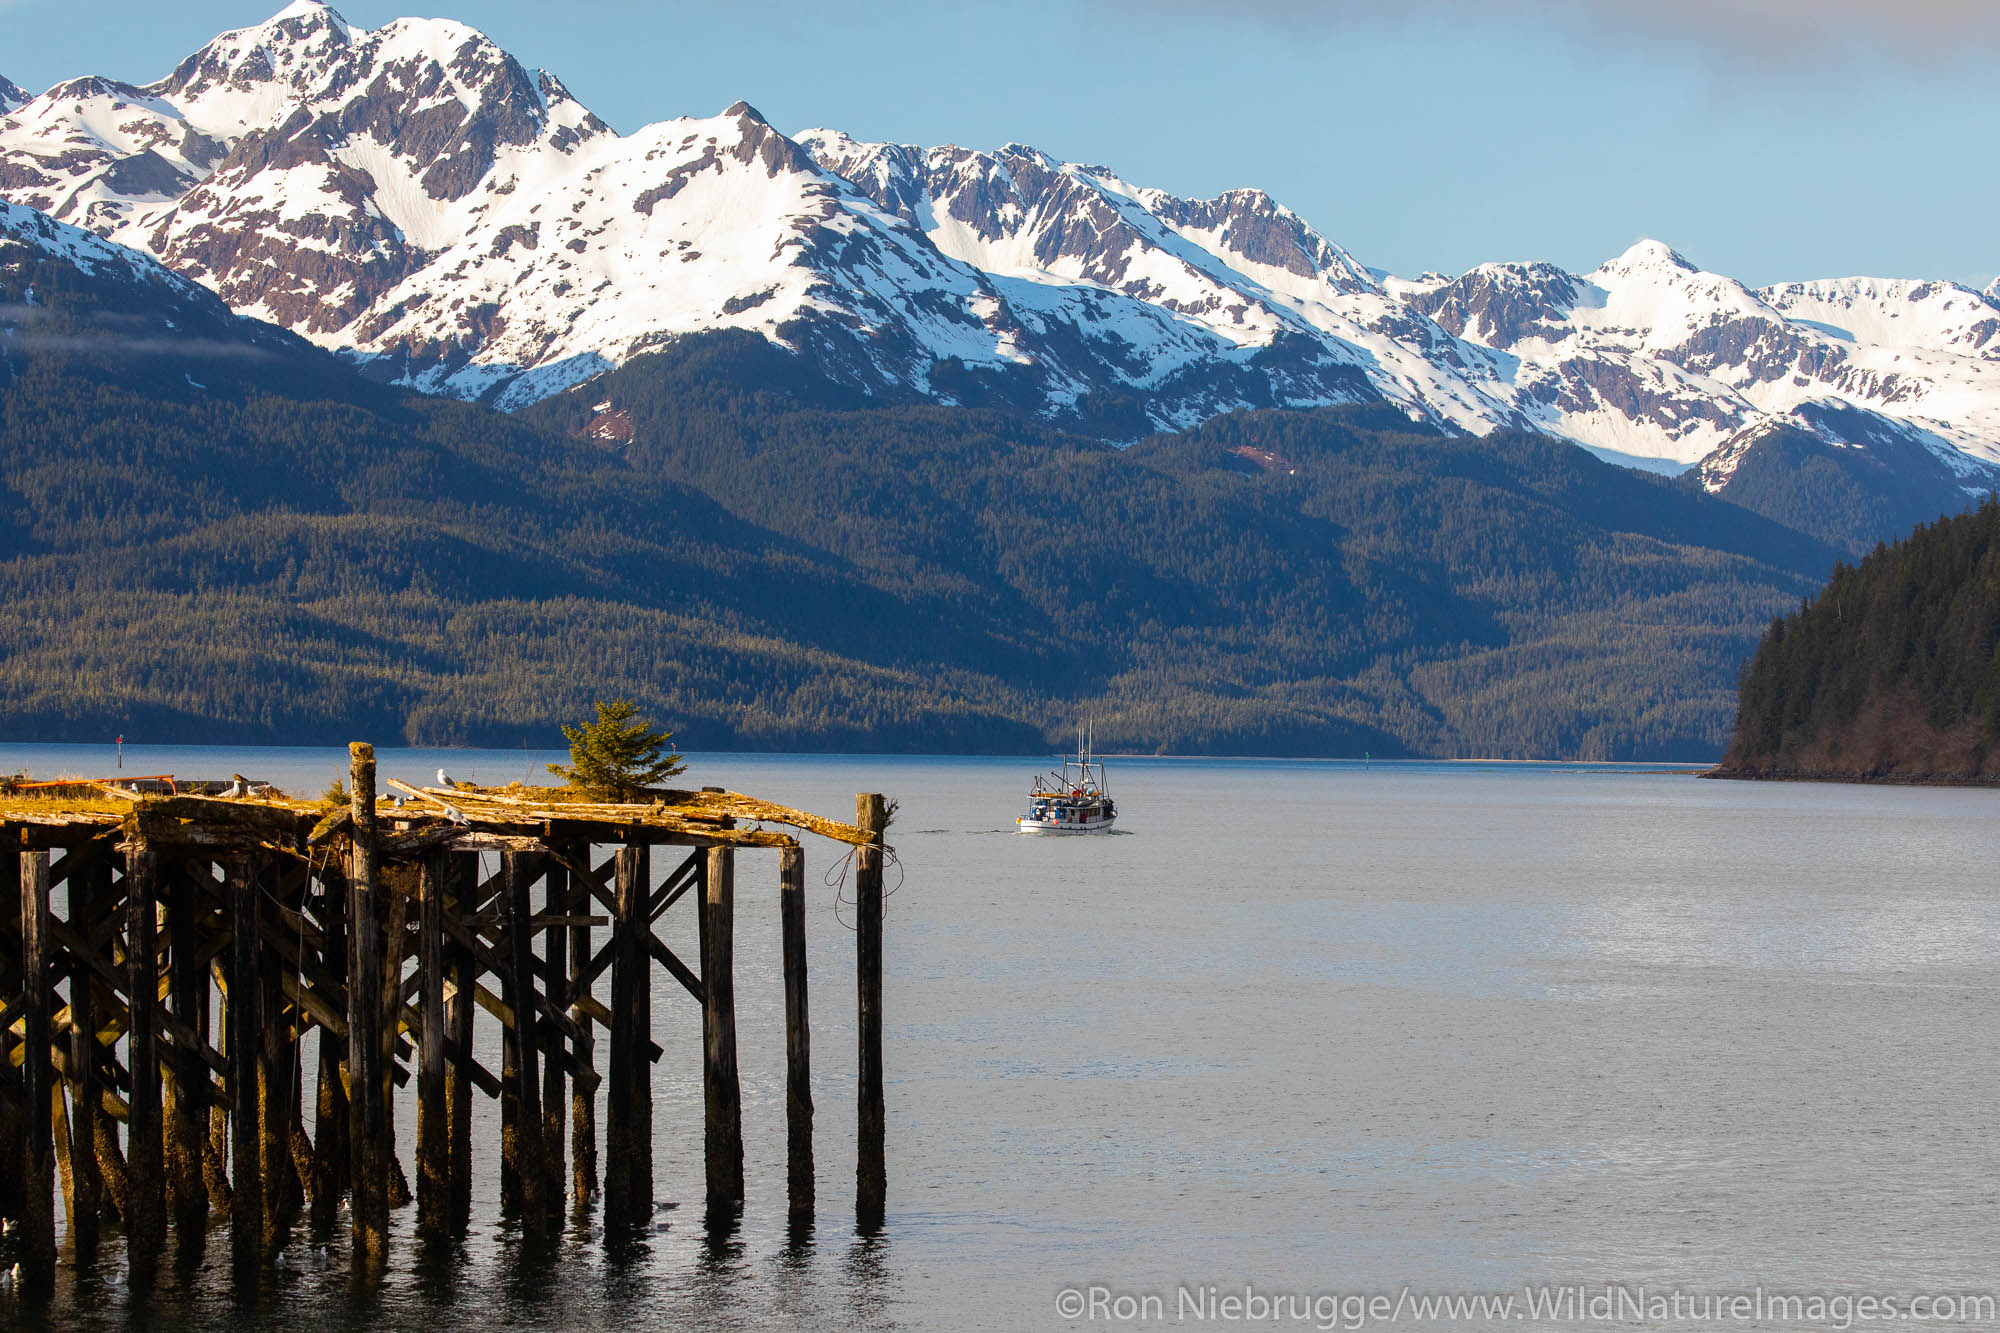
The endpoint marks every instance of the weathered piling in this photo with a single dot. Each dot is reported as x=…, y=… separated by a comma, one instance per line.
x=433, y=1136
x=274, y=1067
x=246, y=1212
x=721, y=1086
x=293, y=919
x=188, y=1084
x=522, y=1147
x=628, y=1118
x=390, y=1017
x=798, y=1036
x=145, y=1190
x=215, y=1151
x=367, y=1092
x=87, y=1105
x=42, y=1099
x=871, y=1174
x=10, y=1078
x=553, y=925
x=583, y=1099
x=464, y=879
x=332, y=1150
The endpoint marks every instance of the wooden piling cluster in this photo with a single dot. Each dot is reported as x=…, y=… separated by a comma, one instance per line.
x=162, y=958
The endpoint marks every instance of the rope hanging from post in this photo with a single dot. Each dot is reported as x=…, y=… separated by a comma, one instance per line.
x=835, y=878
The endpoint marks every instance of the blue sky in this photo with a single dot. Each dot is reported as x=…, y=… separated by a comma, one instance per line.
x=1769, y=139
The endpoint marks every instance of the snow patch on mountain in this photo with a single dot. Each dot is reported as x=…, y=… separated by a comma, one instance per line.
x=87, y=252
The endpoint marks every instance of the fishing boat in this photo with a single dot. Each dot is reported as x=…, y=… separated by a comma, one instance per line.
x=1075, y=800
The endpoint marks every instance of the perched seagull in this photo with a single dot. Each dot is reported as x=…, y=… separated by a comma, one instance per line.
x=444, y=779
x=238, y=786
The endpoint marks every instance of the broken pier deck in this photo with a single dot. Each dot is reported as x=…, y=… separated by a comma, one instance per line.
x=150, y=1034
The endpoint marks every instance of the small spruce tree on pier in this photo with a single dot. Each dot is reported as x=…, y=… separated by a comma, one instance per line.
x=618, y=756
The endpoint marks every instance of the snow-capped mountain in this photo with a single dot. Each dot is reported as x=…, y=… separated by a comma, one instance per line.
x=1251, y=279
x=11, y=95
x=1653, y=357
x=415, y=198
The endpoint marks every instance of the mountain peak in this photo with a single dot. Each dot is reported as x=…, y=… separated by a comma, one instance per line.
x=1027, y=152
x=744, y=111
x=306, y=9
x=284, y=52
x=1647, y=254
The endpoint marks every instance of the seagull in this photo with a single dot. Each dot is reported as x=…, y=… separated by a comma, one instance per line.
x=444, y=779
x=238, y=786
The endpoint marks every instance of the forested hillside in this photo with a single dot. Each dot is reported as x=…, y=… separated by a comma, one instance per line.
x=1850, y=478
x=263, y=548
x=1275, y=582
x=213, y=531
x=1891, y=672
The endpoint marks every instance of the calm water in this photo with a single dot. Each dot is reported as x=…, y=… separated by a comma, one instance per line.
x=1312, y=1027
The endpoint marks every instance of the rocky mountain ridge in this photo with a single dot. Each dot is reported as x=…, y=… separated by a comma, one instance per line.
x=416, y=199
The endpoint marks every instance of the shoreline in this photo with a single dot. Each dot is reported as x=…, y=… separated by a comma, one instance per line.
x=1855, y=779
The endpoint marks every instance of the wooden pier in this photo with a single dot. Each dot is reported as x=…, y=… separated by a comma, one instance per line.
x=150, y=1033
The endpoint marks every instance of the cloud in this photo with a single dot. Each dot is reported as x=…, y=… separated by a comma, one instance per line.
x=1922, y=30
x=23, y=331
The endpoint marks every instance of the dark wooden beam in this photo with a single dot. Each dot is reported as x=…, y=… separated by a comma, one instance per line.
x=628, y=1184
x=798, y=1036
x=870, y=1172
x=722, y=1088
x=89, y=886
x=38, y=1264
x=367, y=1082
x=145, y=1190
x=433, y=1140
x=246, y=1213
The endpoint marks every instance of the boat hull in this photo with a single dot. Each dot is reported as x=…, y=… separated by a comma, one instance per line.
x=1048, y=829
